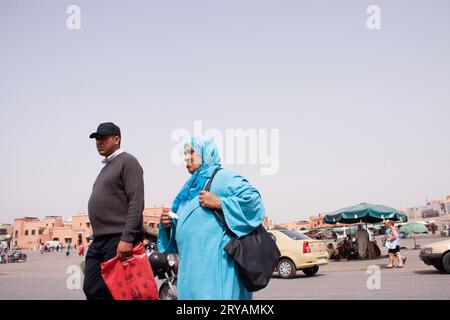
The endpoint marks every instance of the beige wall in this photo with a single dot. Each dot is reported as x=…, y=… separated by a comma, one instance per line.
x=315, y=222
x=152, y=216
x=53, y=221
x=8, y=228
x=447, y=204
x=28, y=232
x=62, y=234
x=81, y=228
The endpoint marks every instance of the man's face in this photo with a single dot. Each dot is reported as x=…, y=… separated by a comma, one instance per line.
x=193, y=160
x=107, y=145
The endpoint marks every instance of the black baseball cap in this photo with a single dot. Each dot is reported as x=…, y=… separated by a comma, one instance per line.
x=106, y=129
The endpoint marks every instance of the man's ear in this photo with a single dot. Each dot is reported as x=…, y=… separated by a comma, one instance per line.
x=117, y=140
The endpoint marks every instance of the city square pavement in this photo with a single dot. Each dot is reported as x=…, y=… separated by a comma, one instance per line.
x=53, y=276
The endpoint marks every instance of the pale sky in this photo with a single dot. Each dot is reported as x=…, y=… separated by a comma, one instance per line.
x=363, y=114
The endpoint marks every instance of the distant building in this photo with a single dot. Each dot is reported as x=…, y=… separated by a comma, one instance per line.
x=447, y=205
x=29, y=232
x=296, y=225
x=76, y=230
x=316, y=221
x=151, y=220
x=302, y=225
x=5, y=229
x=5, y=234
x=431, y=210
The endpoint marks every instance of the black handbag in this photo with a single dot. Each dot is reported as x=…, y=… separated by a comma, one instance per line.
x=255, y=254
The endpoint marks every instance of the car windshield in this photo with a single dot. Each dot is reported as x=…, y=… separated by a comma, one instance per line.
x=295, y=235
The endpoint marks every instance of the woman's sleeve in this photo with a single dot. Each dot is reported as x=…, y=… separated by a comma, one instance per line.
x=166, y=239
x=242, y=205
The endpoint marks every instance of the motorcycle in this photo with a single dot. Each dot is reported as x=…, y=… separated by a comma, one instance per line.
x=165, y=267
x=150, y=248
x=353, y=253
x=17, y=256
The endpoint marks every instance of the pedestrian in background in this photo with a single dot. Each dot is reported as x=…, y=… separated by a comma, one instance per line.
x=68, y=249
x=362, y=238
x=81, y=250
x=392, y=242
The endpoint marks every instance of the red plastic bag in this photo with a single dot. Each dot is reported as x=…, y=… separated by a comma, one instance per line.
x=131, y=279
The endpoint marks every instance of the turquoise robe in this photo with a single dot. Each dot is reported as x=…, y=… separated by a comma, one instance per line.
x=206, y=272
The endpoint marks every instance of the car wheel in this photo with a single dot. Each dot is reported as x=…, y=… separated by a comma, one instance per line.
x=439, y=267
x=286, y=269
x=311, y=271
x=446, y=262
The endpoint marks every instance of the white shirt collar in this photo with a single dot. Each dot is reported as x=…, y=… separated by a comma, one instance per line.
x=112, y=156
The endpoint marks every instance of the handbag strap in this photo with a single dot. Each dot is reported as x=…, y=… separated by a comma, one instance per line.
x=219, y=216
x=208, y=185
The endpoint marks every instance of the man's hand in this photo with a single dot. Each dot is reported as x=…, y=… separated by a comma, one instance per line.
x=124, y=250
x=165, y=219
x=210, y=200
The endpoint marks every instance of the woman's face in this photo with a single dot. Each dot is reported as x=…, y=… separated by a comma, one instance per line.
x=193, y=160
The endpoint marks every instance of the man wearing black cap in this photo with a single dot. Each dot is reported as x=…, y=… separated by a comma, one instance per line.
x=115, y=209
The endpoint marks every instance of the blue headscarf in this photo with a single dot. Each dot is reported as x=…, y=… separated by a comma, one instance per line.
x=206, y=149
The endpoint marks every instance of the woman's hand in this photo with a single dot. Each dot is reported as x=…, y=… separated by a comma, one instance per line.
x=165, y=219
x=210, y=200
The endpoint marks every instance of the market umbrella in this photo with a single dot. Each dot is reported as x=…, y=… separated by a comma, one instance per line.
x=413, y=228
x=364, y=212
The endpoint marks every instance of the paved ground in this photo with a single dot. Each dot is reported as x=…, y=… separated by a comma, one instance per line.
x=40, y=277
x=45, y=277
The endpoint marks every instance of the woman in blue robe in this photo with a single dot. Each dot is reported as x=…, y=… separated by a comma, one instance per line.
x=206, y=271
